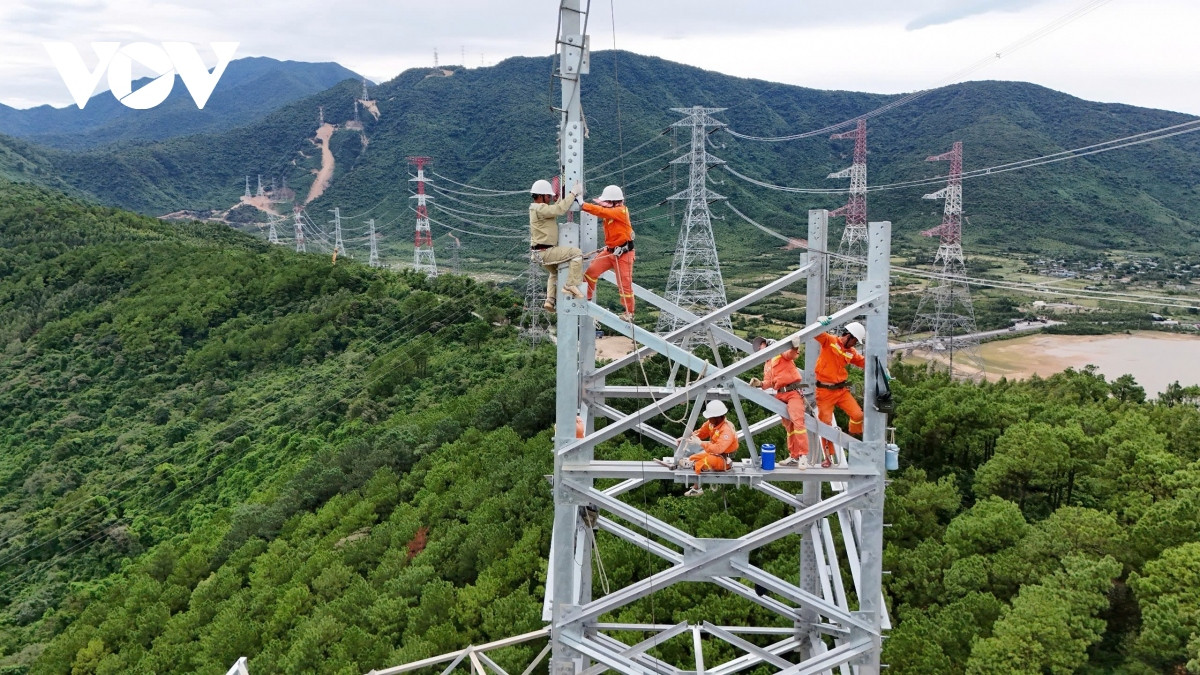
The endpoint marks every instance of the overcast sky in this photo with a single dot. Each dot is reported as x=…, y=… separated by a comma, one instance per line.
x=1142, y=52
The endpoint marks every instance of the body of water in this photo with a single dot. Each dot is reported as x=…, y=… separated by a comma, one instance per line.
x=1154, y=359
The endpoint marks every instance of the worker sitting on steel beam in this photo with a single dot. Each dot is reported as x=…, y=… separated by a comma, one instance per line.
x=782, y=378
x=618, y=246
x=543, y=241
x=833, y=391
x=718, y=443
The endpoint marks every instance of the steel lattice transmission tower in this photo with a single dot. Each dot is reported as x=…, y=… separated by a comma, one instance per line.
x=534, y=325
x=695, y=283
x=423, y=258
x=455, y=262
x=847, y=269
x=272, y=235
x=945, y=308
x=299, y=235
x=825, y=615
x=373, y=260
x=339, y=247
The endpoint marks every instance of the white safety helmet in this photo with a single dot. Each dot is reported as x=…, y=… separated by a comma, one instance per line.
x=612, y=193
x=856, y=329
x=541, y=187
x=715, y=409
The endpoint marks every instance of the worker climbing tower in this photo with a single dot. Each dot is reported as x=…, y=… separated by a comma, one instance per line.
x=833, y=619
x=695, y=282
x=423, y=258
x=299, y=235
x=846, y=269
x=945, y=308
x=373, y=260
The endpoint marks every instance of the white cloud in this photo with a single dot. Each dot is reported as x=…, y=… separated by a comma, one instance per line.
x=1141, y=53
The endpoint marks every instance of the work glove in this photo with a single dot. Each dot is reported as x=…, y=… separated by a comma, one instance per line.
x=755, y=382
x=577, y=190
x=795, y=342
x=823, y=320
x=620, y=250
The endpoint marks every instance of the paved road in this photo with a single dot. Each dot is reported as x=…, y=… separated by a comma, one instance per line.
x=1019, y=327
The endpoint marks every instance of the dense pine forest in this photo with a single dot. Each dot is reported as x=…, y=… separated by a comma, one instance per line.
x=213, y=448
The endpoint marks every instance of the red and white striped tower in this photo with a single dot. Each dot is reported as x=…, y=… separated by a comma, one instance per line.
x=423, y=259
x=946, y=309
x=847, y=268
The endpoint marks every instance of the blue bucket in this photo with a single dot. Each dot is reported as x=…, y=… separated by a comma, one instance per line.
x=891, y=457
x=767, y=454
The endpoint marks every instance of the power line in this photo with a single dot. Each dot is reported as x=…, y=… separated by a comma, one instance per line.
x=1097, y=148
x=1025, y=41
x=490, y=191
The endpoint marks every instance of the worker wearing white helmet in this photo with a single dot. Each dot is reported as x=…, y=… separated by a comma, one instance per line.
x=718, y=443
x=543, y=241
x=618, y=246
x=833, y=391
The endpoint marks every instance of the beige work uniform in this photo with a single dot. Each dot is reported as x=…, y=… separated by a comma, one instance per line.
x=543, y=230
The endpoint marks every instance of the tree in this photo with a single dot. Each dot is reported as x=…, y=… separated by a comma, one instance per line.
x=1168, y=590
x=1050, y=625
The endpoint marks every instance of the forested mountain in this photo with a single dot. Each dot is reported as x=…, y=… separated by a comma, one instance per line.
x=494, y=127
x=249, y=89
x=212, y=448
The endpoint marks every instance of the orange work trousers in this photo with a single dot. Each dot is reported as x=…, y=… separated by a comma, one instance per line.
x=827, y=400
x=793, y=424
x=705, y=461
x=624, y=271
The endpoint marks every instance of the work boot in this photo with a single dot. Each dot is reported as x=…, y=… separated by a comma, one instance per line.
x=573, y=292
x=694, y=492
x=802, y=462
x=548, y=305
x=789, y=461
x=627, y=316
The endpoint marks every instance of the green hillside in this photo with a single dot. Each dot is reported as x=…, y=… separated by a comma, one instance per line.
x=493, y=127
x=211, y=448
x=248, y=89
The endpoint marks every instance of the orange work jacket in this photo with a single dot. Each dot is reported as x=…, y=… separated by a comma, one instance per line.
x=723, y=438
x=781, y=370
x=618, y=229
x=833, y=359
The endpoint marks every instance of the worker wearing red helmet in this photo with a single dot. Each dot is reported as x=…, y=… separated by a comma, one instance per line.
x=782, y=378
x=833, y=391
x=618, y=246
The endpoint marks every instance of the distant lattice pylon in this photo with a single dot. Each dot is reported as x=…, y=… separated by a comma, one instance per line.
x=373, y=260
x=946, y=309
x=533, y=324
x=339, y=247
x=299, y=234
x=423, y=257
x=695, y=282
x=272, y=235
x=846, y=270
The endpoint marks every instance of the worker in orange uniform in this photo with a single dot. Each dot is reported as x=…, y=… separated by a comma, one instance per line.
x=833, y=391
x=618, y=246
x=718, y=443
x=543, y=241
x=782, y=378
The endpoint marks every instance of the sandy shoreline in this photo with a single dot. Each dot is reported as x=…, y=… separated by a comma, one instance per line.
x=1154, y=359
